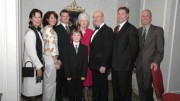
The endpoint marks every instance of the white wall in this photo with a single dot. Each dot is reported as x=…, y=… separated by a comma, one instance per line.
x=134, y=6
x=165, y=14
x=9, y=69
x=174, y=81
x=109, y=8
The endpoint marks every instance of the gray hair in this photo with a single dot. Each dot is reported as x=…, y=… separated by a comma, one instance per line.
x=84, y=15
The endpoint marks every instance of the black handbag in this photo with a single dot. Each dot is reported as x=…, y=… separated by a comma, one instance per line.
x=28, y=71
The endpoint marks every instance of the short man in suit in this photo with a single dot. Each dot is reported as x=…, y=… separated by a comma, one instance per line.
x=151, y=41
x=75, y=66
x=100, y=56
x=125, y=51
x=63, y=33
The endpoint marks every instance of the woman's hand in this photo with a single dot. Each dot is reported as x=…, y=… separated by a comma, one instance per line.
x=58, y=64
x=39, y=72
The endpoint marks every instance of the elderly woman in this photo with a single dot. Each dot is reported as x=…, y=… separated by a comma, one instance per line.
x=83, y=22
x=50, y=56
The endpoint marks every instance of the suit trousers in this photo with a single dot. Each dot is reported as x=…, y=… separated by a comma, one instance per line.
x=122, y=85
x=144, y=80
x=100, y=86
x=59, y=84
x=75, y=89
x=49, y=86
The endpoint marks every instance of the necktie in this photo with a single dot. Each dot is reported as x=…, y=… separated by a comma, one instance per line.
x=144, y=37
x=118, y=28
x=76, y=48
x=67, y=29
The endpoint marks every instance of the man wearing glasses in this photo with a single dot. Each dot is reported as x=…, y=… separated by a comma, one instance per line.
x=100, y=56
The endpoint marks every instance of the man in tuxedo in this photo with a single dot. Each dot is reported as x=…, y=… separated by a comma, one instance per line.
x=151, y=41
x=125, y=51
x=63, y=33
x=100, y=56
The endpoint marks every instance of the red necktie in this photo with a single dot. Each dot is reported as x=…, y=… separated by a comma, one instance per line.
x=118, y=29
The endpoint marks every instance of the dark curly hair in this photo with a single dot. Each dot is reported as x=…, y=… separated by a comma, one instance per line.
x=47, y=16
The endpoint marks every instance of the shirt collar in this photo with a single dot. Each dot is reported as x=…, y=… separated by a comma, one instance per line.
x=101, y=25
x=147, y=27
x=64, y=25
x=122, y=24
x=76, y=43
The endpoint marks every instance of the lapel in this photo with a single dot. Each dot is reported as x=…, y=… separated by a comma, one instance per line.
x=79, y=50
x=98, y=33
x=63, y=29
x=123, y=28
x=140, y=36
x=149, y=36
x=73, y=49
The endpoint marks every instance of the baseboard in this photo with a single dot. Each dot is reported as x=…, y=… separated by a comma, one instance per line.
x=177, y=92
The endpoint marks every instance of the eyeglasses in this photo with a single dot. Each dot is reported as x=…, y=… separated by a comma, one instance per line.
x=94, y=17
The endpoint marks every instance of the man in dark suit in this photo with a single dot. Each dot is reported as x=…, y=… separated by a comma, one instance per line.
x=151, y=41
x=63, y=33
x=125, y=51
x=75, y=66
x=100, y=56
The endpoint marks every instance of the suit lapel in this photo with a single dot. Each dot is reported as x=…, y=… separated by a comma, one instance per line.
x=140, y=36
x=123, y=28
x=98, y=32
x=149, y=35
x=73, y=49
x=63, y=29
x=79, y=50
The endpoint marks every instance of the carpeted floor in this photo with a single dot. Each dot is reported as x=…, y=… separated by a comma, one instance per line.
x=135, y=97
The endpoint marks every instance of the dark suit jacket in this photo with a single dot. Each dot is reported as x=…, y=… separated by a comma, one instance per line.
x=101, y=48
x=75, y=65
x=63, y=39
x=125, y=48
x=153, y=50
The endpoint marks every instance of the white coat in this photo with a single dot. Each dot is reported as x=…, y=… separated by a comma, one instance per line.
x=29, y=85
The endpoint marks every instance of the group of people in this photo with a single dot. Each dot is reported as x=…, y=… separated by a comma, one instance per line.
x=78, y=57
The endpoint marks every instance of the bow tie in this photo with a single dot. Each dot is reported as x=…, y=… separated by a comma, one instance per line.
x=96, y=28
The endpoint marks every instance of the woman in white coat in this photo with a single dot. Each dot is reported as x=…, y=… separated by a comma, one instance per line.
x=50, y=56
x=31, y=88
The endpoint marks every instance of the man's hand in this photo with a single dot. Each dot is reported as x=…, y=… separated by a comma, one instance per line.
x=102, y=69
x=69, y=78
x=58, y=64
x=154, y=65
x=83, y=78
